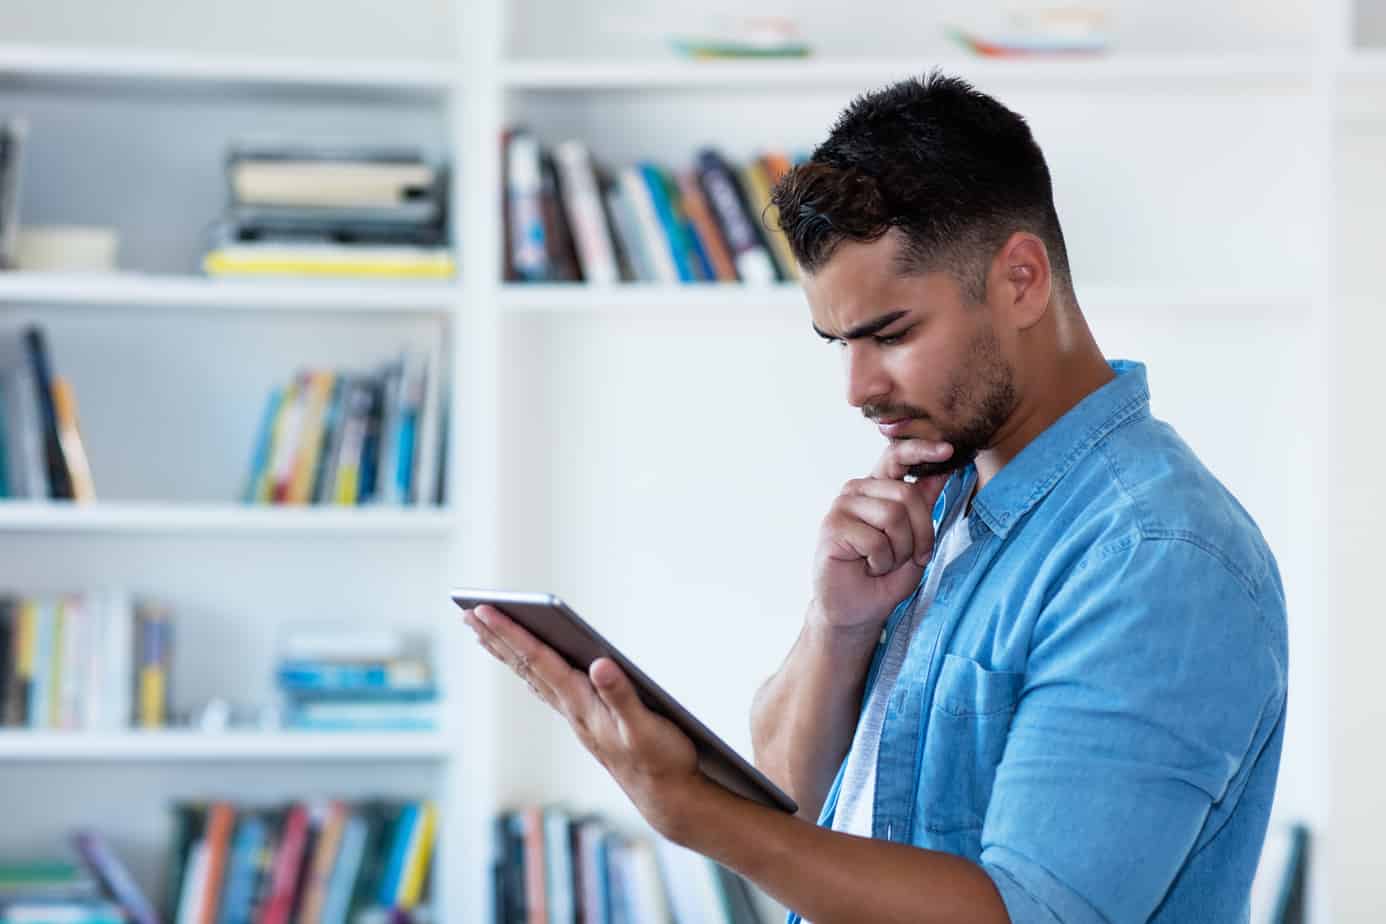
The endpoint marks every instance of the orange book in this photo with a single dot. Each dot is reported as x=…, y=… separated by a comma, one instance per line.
x=536, y=872
x=776, y=165
x=70, y=439
x=220, y=820
x=324, y=857
x=714, y=244
x=311, y=438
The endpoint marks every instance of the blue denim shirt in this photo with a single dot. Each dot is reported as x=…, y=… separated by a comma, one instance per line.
x=1093, y=707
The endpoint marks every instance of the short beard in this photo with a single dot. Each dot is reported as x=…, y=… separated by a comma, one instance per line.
x=985, y=391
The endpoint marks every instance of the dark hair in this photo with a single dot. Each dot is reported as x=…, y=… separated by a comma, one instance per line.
x=954, y=170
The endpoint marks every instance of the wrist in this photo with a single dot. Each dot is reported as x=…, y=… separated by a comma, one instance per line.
x=833, y=637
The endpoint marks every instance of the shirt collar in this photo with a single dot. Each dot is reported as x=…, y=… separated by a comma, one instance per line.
x=1032, y=474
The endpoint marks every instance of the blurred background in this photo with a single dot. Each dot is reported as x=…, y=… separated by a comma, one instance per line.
x=312, y=310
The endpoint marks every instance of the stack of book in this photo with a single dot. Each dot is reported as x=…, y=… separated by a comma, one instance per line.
x=41, y=451
x=325, y=211
x=351, y=438
x=550, y=866
x=354, y=679
x=569, y=220
x=314, y=862
x=42, y=891
x=94, y=662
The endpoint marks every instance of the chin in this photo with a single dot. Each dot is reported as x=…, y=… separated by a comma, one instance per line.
x=946, y=467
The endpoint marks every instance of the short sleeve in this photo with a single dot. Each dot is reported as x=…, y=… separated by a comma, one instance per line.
x=1152, y=677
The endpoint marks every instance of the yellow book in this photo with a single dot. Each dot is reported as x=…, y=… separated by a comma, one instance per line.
x=233, y=261
x=757, y=181
x=416, y=862
x=151, y=696
x=70, y=439
x=310, y=446
x=55, y=666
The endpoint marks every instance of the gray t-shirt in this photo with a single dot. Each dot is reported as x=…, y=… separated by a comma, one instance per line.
x=857, y=796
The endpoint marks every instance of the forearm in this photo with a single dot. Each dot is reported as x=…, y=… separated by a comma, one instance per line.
x=804, y=716
x=834, y=878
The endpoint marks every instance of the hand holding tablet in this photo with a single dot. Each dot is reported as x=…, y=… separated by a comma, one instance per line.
x=551, y=622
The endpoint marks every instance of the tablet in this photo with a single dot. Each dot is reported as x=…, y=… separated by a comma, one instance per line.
x=551, y=621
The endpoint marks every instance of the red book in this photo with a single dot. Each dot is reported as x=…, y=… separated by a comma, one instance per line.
x=536, y=876
x=287, y=863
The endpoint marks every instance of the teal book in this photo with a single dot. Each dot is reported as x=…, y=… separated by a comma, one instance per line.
x=399, y=851
x=668, y=221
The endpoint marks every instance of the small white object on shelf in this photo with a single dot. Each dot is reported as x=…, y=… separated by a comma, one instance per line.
x=67, y=249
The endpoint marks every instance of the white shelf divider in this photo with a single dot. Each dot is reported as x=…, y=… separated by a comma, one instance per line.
x=205, y=294
x=152, y=746
x=221, y=519
x=100, y=64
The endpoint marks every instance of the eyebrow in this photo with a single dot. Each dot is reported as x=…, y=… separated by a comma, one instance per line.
x=865, y=329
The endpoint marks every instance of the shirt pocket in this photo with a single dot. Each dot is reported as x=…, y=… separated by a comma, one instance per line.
x=964, y=739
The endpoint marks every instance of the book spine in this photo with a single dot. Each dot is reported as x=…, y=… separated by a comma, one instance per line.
x=668, y=222
x=523, y=182
x=399, y=848
x=345, y=871
x=220, y=821
x=264, y=442
x=287, y=861
x=40, y=366
x=70, y=442
x=654, y=242
x=715, y=247
x=416, y=863
x=584, y=209
x=734, y=216
x=116, y=878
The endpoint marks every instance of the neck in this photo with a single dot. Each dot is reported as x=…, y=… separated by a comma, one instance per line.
x=1068, y=375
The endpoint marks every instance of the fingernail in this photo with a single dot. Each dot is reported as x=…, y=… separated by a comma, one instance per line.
x=481, y=617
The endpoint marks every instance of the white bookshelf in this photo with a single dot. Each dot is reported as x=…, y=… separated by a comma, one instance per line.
x=198, y=293
x=104, y=66
x=196, y=746
x=221, y=519
x=559, y=450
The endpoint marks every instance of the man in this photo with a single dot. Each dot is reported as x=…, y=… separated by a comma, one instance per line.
x=1042, y=675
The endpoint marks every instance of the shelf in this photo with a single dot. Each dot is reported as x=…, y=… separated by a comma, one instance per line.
x=788, y=300
x=19, y=745
x=220, y=519
x=203, y=294
x=101, y=66
x=1210, y=72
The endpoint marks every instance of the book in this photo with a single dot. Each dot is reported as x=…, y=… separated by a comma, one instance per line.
x=74, y=453
x=317, y=182
x=344, y=260
x=523, y=184
x=12, y=142
x=734, y=217
x=41, y=368
x=559, y=245
x=583, y=205
x=654, y=241
x=114, y=876
x=705, y=228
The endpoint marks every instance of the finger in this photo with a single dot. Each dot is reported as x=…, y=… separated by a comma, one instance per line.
x=887, y=515
x=919, y=510
x=546, y=665
x=852, y=539
x=632, y=716
x=517, y=665
x=895, y=462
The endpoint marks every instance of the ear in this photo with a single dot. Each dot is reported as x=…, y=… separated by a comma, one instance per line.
x=1023, y=278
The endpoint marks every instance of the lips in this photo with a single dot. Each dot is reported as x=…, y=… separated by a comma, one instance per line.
x=893, y=427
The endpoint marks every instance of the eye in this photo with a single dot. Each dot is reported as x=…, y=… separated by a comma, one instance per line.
x=892, y=339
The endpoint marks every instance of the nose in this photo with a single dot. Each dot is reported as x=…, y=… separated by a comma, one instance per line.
x=867, y=381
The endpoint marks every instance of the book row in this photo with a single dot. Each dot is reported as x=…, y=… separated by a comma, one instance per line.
x=348, y=439
x=96, y=662
x=568, y=219
x=41, y=451
x=315, y=862
x=551, y=867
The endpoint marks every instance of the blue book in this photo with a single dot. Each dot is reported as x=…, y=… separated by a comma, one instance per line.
x=664, y=210
x=344, y=871
x=41, y=703
x=326, y=675
x=238, y=899
x=399, y=852
x=259, y=459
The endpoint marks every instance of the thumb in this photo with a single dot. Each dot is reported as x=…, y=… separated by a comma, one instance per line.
x=616, y=691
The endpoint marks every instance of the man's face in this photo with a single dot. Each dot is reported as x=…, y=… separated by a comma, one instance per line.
x=921, y=360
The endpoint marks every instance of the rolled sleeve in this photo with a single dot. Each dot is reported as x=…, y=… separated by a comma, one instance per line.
x=1143, y=698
